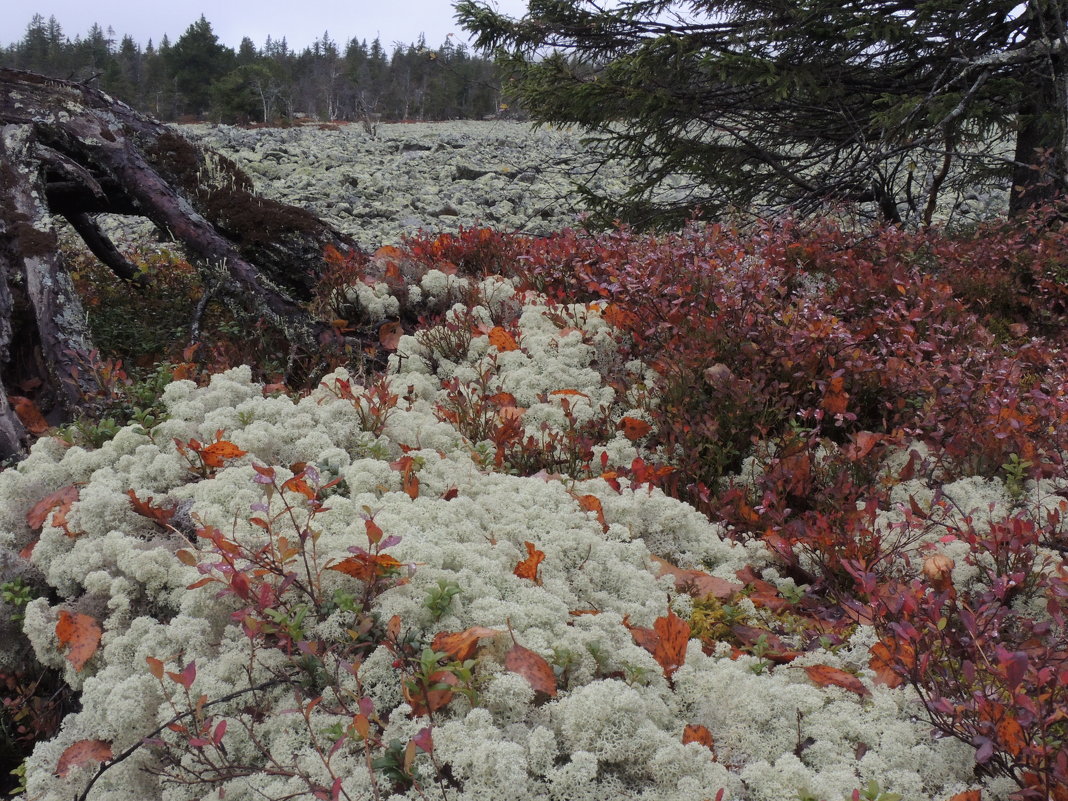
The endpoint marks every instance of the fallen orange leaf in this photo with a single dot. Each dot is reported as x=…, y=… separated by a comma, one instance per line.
x=696, y=733
x=80, y=635
x=633, y=428
x=61, y=500
x=461, y=645
x=697, y=582
x=533, y=668
x=528, y=568
x=673, y=634
x=81, y=753
x=502, y=340
x=825, y=674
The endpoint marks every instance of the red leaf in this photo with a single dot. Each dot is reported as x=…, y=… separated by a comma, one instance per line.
x=80, y=635
x=673, y=634
x=633, y=428
x=389, y=335
x=528, y=568
x=533, y=668
x=461, y=645
x=83, y=752
x=825, y=674
x=967, y=795
x=61, y=500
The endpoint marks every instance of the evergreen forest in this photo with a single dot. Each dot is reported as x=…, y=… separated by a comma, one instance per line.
x=197, y=77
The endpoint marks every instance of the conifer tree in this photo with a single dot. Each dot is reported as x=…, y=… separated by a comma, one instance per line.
x=771, y=104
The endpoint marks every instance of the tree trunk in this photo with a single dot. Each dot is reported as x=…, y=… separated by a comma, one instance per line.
x=1040, y=172
x=70, y=150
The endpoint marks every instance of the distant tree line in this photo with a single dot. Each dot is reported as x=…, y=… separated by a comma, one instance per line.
x=196, y=76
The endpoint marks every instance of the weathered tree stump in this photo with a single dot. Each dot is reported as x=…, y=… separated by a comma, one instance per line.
x=70, y=150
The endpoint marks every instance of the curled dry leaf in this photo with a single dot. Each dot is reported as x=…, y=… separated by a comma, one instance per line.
x=533, y=668
x=825, y=674
x=80, y=635
x=461, y=645
x=83, y=752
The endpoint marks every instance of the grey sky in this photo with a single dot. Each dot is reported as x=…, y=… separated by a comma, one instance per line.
x=300, y=21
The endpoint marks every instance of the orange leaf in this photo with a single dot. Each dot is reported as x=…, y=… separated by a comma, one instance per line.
x=591, y=503
x=696, y=733
x=80, y=635
x=29, y=414
x=390, y=334
x=367, y=567
x=882, y=661
x=696, y=582
x=161, y=515
x=218, y=452
x=618, y=316
x=298, y=484
x=825, y=674
x=968, y=795
x=633, y=428
x=644, y=637
x=533, y=668
x=461, y=645
x=155, y=666
x=61, y=500
x=570, y=392
x=835, y=400
x=502, y=340
x=81, y=753
x=423, y=703
x=673, y=633
x=528, y=568
x=1011, y=734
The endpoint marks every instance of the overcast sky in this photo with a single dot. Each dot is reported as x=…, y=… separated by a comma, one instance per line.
x=300, y=21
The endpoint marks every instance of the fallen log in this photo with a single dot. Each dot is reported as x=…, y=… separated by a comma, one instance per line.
x=70, y=150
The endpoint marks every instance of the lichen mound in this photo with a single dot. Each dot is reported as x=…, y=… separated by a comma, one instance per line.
x=613, y=729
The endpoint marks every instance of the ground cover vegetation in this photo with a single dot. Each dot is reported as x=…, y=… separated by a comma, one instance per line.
x=197, y=76
x=762, y=514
